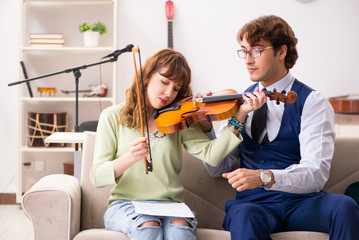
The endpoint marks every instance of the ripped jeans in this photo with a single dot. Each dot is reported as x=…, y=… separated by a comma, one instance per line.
x=121, y=217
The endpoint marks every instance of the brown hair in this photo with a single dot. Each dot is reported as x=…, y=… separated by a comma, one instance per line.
x=173, y=66
x=275, y=30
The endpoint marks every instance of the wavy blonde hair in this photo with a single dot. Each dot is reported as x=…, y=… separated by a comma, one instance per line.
x=173, y=66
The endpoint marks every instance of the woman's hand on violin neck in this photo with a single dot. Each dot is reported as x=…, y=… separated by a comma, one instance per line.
x=201, y=95
x=252, y=101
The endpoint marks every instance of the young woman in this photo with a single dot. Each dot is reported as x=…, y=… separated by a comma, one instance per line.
x=120, y=150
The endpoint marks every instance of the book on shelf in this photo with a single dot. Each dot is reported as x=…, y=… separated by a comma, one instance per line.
x=46, y=45
x=47, y=40
x=46, y=35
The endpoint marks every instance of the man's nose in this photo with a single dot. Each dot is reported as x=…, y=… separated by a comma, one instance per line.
x=249, y=59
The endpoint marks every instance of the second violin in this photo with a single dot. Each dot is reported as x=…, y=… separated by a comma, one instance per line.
x=222, y=105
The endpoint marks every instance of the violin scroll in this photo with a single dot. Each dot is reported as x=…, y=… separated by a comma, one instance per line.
x=290, y=98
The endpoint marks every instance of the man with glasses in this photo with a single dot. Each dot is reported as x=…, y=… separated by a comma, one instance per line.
x=287, y=149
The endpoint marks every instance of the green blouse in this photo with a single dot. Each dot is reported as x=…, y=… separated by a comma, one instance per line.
x=163, y=184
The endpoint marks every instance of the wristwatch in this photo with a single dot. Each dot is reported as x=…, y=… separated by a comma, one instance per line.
x=265, y=177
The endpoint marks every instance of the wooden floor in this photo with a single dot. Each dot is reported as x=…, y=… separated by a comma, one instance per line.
x=14, y=225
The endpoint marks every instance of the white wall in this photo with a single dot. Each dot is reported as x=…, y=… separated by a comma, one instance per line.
x=9, y=70
x=205, y=32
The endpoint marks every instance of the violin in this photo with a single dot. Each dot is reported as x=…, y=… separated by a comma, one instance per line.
x=222, y=105
x=345, y=104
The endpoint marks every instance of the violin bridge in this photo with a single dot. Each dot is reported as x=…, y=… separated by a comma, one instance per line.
x=194, y=100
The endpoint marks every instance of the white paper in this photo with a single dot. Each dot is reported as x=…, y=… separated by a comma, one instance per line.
x=66, y=137
x=163, y=209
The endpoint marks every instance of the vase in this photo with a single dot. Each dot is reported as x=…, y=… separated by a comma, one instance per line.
x=91, y=39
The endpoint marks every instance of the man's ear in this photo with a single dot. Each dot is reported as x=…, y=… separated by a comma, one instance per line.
x=282, y=52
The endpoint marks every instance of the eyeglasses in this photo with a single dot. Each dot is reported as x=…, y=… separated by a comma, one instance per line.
x=254, y=53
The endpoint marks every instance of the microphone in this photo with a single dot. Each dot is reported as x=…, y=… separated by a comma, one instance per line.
x=118, y=52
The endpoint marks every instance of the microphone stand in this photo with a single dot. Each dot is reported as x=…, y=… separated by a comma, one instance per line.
x=77, y=75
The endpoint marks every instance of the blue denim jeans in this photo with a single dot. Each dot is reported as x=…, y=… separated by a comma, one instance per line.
x=121, y=217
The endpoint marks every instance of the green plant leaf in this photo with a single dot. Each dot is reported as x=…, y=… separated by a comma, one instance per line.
x=96, y=27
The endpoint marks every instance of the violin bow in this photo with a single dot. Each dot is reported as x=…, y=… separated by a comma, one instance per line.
x=148, y=163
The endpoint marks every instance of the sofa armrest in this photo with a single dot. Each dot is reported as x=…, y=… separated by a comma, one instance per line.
x=53, y=205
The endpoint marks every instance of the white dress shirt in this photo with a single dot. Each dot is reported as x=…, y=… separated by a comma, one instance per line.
x=317, y=135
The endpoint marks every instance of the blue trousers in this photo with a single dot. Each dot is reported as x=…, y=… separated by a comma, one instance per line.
x=121, y=217
x=257, y=213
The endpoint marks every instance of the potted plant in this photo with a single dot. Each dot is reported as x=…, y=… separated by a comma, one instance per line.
x=92, y=32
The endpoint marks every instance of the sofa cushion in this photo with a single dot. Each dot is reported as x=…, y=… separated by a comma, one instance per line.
x=204, y=195
x=202, y=234
x=94, y=200
x=300, y=235
x=100, y=234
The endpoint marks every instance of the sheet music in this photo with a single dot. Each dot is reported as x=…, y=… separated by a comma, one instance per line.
x=163, y=209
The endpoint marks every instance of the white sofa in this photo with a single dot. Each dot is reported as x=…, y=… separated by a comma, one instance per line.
x=61, y=207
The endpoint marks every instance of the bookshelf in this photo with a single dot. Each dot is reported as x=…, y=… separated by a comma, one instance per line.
x=64, y=17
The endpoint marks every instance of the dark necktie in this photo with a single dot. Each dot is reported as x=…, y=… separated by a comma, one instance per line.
x=258, y=127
